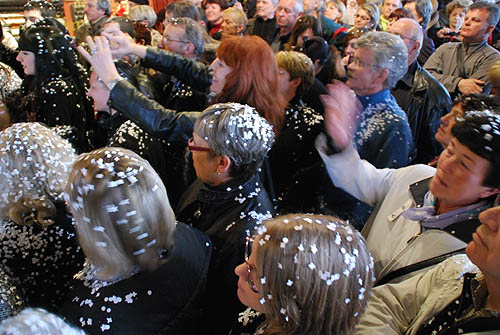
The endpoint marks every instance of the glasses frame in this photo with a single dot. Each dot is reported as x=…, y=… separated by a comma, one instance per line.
x=192, y=147
x=251, y=283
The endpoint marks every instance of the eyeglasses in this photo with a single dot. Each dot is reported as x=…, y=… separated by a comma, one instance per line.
x=166, y=40
x=251, y=283
x=193, y=147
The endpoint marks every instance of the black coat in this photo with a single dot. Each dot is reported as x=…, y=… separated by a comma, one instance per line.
x=424, y=100
x=227, y=214
x=168, y=300
x=41, y=260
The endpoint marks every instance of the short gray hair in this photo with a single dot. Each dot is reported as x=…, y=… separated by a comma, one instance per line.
x=390, y=54
x=238, y=132
x=493, y=11
x=423, y=8
x=193, y=32
x=104, y=5
x=37, y=321
x=143, y=12
x=373, y=11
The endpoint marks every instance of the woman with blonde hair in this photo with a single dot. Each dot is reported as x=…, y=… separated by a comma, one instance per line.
x=135, y=249
x=38, y=248
x=308, y=274
x=146, y=16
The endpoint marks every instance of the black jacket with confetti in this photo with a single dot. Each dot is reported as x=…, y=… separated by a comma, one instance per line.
x=227, y=214
x=168, y=300
x=41, y=260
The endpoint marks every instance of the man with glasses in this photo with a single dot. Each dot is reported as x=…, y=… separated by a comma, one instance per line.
x=383, y=136
x=183, y=36
x=423, y=98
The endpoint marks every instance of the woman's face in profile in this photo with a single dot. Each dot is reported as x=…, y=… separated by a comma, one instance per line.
x=27, y=60
x=247, y=276
x=221, y=70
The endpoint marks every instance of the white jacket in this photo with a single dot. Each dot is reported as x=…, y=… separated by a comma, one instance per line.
x=402, y=308
x=393, y=240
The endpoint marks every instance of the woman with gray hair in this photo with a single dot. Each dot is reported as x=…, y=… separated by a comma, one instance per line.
x=228, y=201
x=146, y=16
x=38, y=248
x=136, y=251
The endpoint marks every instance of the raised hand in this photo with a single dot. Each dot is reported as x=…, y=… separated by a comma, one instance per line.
x=100, y=58
x=341, y=111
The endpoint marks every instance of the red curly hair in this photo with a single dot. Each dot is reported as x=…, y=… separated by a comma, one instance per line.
x=254, y=77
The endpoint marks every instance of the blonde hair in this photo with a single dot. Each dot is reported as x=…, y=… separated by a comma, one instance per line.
x=298, y=65
x=237, y=15
x=35, y=164
x=121, y=210
x=314, y=275
x=143, y=12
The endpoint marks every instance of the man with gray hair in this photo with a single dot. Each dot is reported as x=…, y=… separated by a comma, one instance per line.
x=183, y=36
x=383, y=136
x=462, y=67
x=287, y=14
x=422, y=10
x=423, y=98
x=97, y=13
x=264, y=23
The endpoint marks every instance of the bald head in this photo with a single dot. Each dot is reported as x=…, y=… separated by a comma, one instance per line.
x=411, y=33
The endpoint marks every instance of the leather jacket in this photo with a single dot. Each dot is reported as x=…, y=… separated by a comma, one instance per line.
x=428, y=101
x=151, y=116
x=227, y=214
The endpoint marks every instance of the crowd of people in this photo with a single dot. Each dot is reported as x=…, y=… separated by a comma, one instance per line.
x=258, y=167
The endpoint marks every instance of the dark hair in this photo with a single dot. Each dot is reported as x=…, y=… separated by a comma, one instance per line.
x=54, y=55
x=125, y=24
x=479, y=131
x=46, y=8
x=354, y=33
x=222, y=3
x=317, y=48
x=493, y=11
x=402, y=13
x=141, y=2
x=303, y=23
x=477, y=102
x=183, y=9
x=142, y=33
x=424, y=9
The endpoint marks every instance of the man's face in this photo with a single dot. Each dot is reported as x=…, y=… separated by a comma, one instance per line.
x=99, y=93
x=411, y=6
x=91, y=10
x=475, y=27
x=360, y=75
x=389, y=6
x=443, y=135
x=31, y=17
x=404, y=30
x=459, y=176
x=286, y=16
x=265, y=9
x=484, y=248
x=173, y=40
x=309, y=6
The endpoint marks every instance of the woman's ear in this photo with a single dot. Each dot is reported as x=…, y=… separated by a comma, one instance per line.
x=224, y=164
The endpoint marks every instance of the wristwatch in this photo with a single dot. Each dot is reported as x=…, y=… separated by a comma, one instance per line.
x=113, y=83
